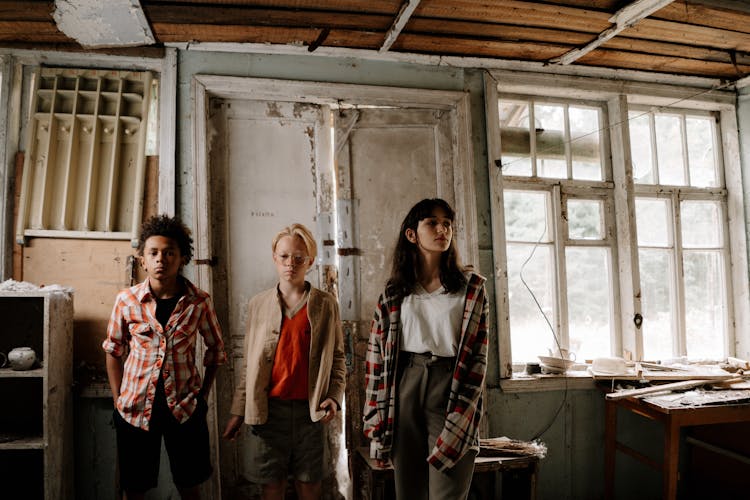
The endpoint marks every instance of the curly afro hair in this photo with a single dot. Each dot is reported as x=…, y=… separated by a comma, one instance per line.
x=169, y=227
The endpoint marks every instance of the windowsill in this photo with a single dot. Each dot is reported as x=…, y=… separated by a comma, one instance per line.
x=572, y=380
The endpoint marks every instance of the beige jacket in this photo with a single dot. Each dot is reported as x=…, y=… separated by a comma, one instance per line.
x=327, y=375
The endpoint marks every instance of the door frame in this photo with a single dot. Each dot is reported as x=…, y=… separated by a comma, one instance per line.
x=204, y=87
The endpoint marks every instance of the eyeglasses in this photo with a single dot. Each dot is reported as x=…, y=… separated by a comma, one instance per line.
x=297, y=260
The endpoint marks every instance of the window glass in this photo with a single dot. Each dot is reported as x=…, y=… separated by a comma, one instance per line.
x=589, y=301
x=701, y=226
x=652, y=222
x=705, y=303
x=657, y=296
x=585, y=220
x=550, y=141
x=526, y=216
x=669, y=150
x=530, y=333
x=584, y=143
x=514, y=137
x=640, y=148
x=701, y=152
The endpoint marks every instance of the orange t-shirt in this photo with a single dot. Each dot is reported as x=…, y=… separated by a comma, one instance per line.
x=292, y=361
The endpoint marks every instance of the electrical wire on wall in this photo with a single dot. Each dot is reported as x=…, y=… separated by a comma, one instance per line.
x=549, y=324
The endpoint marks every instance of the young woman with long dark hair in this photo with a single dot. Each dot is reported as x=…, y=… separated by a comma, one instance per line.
x=426, y=361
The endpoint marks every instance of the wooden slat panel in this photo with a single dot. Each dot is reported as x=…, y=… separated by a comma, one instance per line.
x=380, y=6
x=562, y=37
x=487, y=48
x=265, y=17
x=668, y=31
x=648, y=62
x=583, y=20
x=33, y=31
x=482, y=30
x=26, y=10
x=519, y=13
x=249, y=34
x=704, y=15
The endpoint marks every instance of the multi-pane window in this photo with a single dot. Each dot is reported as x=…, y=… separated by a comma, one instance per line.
x=561, y=237
x=682, y=233
x=559, y=228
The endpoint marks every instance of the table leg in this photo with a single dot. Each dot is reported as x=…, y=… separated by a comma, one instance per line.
x=671, y=459
x=610, y=436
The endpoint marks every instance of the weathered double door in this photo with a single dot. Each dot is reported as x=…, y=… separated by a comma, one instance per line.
x=349, y=172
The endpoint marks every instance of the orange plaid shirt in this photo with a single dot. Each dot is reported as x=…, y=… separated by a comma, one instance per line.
x=133, y=323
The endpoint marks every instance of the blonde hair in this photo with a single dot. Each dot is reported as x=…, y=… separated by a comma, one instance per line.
x=303, y=233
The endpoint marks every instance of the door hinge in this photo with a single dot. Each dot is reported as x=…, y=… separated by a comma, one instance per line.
x=213, y=261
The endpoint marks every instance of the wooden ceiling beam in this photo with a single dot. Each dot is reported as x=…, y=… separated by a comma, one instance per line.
x=407, y=9
x=33, y=31
x=662, y=64
x=622, y=19
x=26, y=11
x=492, y=31
x=167, y=14
x=388, y=7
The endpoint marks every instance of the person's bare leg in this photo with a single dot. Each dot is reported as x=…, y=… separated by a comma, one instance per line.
x=308, y=491
x=274, y=491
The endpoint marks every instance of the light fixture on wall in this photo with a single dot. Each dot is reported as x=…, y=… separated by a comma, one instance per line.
x=96, y=24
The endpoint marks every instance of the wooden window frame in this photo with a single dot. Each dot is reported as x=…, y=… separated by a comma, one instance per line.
x=619, y=95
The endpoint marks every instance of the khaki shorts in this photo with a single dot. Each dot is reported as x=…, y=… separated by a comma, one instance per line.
x=289, y=443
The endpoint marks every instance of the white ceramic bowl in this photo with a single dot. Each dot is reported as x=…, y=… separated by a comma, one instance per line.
x=559, y=363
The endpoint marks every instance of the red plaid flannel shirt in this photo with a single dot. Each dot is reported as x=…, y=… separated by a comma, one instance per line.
x=133, y=324
x=461, y=431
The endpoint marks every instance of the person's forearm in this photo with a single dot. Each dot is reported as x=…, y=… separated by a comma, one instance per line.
x=208, y=379
x=114, y=374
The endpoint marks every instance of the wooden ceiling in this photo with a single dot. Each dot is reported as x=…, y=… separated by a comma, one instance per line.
x=709, y=38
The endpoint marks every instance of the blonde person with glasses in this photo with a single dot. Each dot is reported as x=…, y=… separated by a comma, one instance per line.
x=292, y=375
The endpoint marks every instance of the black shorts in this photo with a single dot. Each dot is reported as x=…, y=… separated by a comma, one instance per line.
x=187, y=445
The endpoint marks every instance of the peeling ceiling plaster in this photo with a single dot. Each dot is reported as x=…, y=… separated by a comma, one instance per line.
x=97, y=23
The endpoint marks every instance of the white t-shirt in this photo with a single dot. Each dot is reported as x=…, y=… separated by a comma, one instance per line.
x=431, y=322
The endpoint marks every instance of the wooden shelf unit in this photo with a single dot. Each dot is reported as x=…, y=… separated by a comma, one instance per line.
x=36, y=423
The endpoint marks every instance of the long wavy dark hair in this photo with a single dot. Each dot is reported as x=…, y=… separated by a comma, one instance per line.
x=404, y=273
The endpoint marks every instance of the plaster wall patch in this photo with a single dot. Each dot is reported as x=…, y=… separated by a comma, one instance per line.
x=93, y=23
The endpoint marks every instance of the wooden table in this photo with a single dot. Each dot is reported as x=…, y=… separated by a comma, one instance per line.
x=673, y=419
x=378, y=481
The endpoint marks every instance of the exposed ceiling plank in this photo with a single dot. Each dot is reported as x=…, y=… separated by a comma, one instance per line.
x=649, y=62
x=389, y=7
x=668, y=31
x=407, y=9
x=705, y=15
x=26, y=11
x=622, y=19
x=492, y=31
x=518, y=13
x=242, y=34
x=168, y=14
x=22, y=31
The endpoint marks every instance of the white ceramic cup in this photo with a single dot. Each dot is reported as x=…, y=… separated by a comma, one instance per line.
x=563, y=353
